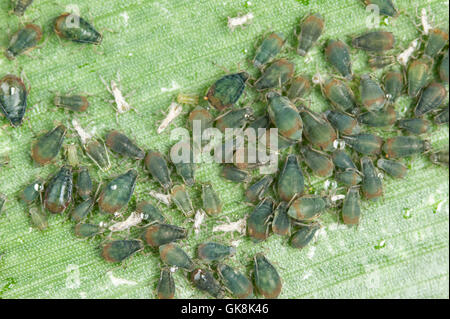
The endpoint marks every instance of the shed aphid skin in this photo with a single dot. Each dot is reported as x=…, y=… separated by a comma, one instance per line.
x=339, y=94
x=238, y=226
x=349, y=177
x=20, y=6
x=82, y=210
x=291, y=181
x=303, y=236
x=212, y=204
x=210, y=252
x=393, y=85
x=444, y=68
x=307, y=207
x=74, y=28
x=226, y=91
x=385, y=7
x=417, y=75
x=166, y=285
x=311, y=29
x=58, y=193
x=71, y=153
x=122, y=105
x=150, y=212
x=199, y=218
x=372, y=95
x=23, y=41
x=256, y=192
x=343, y=122
x=121, y=144
x=338, y=55
x=285, y=117
x=32, y=191
x=13, y=99
x=175, y=110
x=182, y=200
x=393, y=168
x=75, y=103
x=351, y=209
x=342, y=160
x=372, y=186
x=319, y=162
x=431, y=98
x=281, y=224
x=204, y=280
x=442, y=117
x=85, y=230
x=383, y=118
x=237, y=118
x=84, y=135
x=159, y=234
x=235, y=282
x=187, y=98
x=267, y=280
x=415, y=125
x=38, y=218
x=156, y=164
x=275, y=75
x=46, y=147
x=117, y=193
x=232, y=173
x=403, y=57
x=163, y=198
x=440, y=157
x=317, y=130
x=437, y=39
x=299, y=87
x=84, y=184
x=405, y=146
x=133, y=220
x=240, y=21
x=426, y=26
x=374, y=41
x=258, y=222
x=270, y=46
x=365, y=143
x=118, y=250
x=173, y=255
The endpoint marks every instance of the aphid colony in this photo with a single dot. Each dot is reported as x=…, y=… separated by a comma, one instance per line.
x=319, y=138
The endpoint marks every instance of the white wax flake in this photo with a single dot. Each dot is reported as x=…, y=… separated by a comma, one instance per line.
x=404, y=57
x=84, y=136
x=163, y=198
x=133, y=220
x=125, y=17
x=237, y=226
x=236, y=243
x=200, y=216
x=424, y=19
x=122, y=105
x=335, y=198
x=317, y=78
x=174, y=111
x=240, y=21
x=175, y=86
x=307, y=274
x=308, y=59
x=120, y=281
x=311, y=252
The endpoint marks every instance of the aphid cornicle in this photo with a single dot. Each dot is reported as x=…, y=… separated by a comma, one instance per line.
x=443, y=68
x=96, y=151
x=13, y=99
x=385, y=7
x=442, y=117
x=268, y=49
x=159, y=234
x=267, y=280
x=382, y=118
x=204, y=280
x=232, y=173
x=372, y=95
x=234, y=118
x=320, y=163
x=417, y=75
x=415, y=125
x=258, y=220
x=342, y=160
x=173, y=255
x=212, y=205
x=119, y=250
x=58, y=193
x=47, y=146
x=226, y=91
x=299, y=87
x=74, y=28
x=23, y=41
x=307, y=207
x=166, y=285
x=311, y=29
x=393, y=85
x=202, y=116
x=122, y=145
x=372, y=186
x=317, y=130
x=21, y=6
x=182, y=200
x=291, y=181
x=338, y=54
x=404, y=146
x=275, y=75
x=156, y=164
x=84, y=183
x=431, y=98
x=32, y=191
x=285, y=117
x=81, y=210
x=87, y=230
x=281, y=224
x=349, y=177
x=76, y=103
x=38, y=218
x=211, y=251
x=437, y=39
x=441, y=157
x=117, y=193
x=339, y=94
x=302, y=237
x=393, y=168
x=342, y=122
x=237, y=283
x=374, y=41
x=364, y=143
x=255, y=192
x=351, y=209
x=150, y=212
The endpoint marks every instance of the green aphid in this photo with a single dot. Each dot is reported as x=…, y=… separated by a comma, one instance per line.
x=374, y=41
x=212, y=205
x=339, y=94
x=303, y=236
x=210, y=252
x=380, y=61
x=291, y=181
x=372, y=186
x=267, y=280
x=58, y=193
x=182, y=200
x=87, y=230
x=156, y=164
x=184, y=167
x=166, y=285
x=338, y=54
x=442, y=117
x=13, y=99
x=150, y=212
x=82, y=210
x=235, y=282
x=173, y=255
x=440, y=157
x=430, y=99
x=383, y=118
x=417, y=75
x=47, y=146
x=364, y=143
x=32, y=191
x=320, y=163
x=385, y=7
x=258, y=222
x=275, y=75
x=281, y=224
x=204, y=280
x=311, y=29
x=372, y=95
x=351, y=209
x=227, y=90
x=415, y=125
x=437, y=39
x=349, y=177
x=21, y=6
x=285, y=117
x=117, y=193
x=96, y=151
x=237, y=118
x=23, y=41
x=74, y=28
x=38, y=218
x=84, y=183
x=256, y=192
x=342, y=160
x=71, y=154
x=393, y=85
x=343, y=122
x=159, y=234
x=2, y=201
x=404, y=146
x=119, y=250
x=393, y=168
x=300, y=87
x=262, y=122
x=307, y=207
x=317, y=130
x=268, y=49
x=200, y=118
x=122, y=145
x=76, y=103
x=443, y=68
x=232, y=173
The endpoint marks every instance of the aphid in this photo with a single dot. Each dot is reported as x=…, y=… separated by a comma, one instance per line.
x=338, y=54
x=166, y=285
x=21, y=6
x=185, y=168
x=237, y=283
x=174, y=111
x=443, y=68
x=211, y=201
x=269, y=48
x=58, y=193
x=182, y=200
x=122, y=105
x=96, y=151
x=87, y=230
x=38, y=218
x=404, y=146
x=303, y=236
x=342, y=122
x=417, y=75
x=13, y=99
x=285, y=117
x=393, y=85
x=440, y=157
x=442, y=117
x=365, y=143
x=234, y=118
x=47, y=146
x=122, y=145
x=227, y=90
x=80, y=211
x=232, y=173
x=311, y=29
x=342, y=160
x=84, y=183
x=76, y=103
x=240, y=21
x=349, y=177
x=275, y=75
x=382, y=118
x=157, y=166
x=256, y=192
x=2, y=201
x=32, y=191
x=415, y=125
x=163, y=198
x=431, y=98
x=372, y=95
x=76, y=29
x=300, y=86
x=281, y=223
x=189, y=99
x=317, y=130
x=205, y=281
x=320, y=163
x=159, y=234
x=351, y=209
x=119, y=250
x=247, y=156
x=258, y=221
x=133, y=220
x=202, y=117
x=150, y=212
x=173, y=255
x=372, y=186
x=437, y=39
x=267, y=280
x=117, y=193
x=237, y=226
x=260, y=122
x=71, y=153
x=393, y=168
x=385, y=7
x=339, y=94
x=404, y=56
x=374, y=41
x=307, y=207
x=380, y=61
x=23, y=41
x=291, y=181
x=210, y=251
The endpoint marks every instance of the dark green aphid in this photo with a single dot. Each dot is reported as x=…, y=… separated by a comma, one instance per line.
x=269, y=48
x=2, y=201
x=157, y=166
x=13, y=99
x=80, y=211
x=166, y=285
x=415, y=126
x=98, y=154
x=227, y=90
x=23, y=41
x=300, y=86
x=291, y=181
x=205, y=281
x=58, y=193
x=443, y=68
x=75, y=28
x=275, y=75
x=437, y=39
x=256, y=192
x=173, y=255
x=150, y=212
x=339, y=94
x=342, y=122
x=374, y=41
x=122, y=145
x=338, y=54
x=311, y=29
x=319, y=162
x=260, y=122
x=431, y=98
x=182, y=200
x=380, y=61
x=382, y=118
x=117, y=193
x=349, y=177
x=237, y=283
x=76, y=103
x=160, y=234
x=258, y=221
x=32, y=191
x=38, y=218
x=372, y=186
x=440, y=157
x=351, y=209
x=234, y=118
x=317, y=130
x=404, y=146
x=20, y=6
x=442, y=117
x=303, y=236
x=84, y=183
x=385, y=7
x=212, y=205
x=185, y=167
x=232, y=173
x=281, y=223
x=267, y=280
x=342, y=160
x=202, y=117
x=47, y=146
x=87, y=230
x=285, y=117
x=365, y=143
x=307, y=207
x=119, y=250
x=372, y=95
x=393, y=85
x=393, y=168
x=417, y=75
x=209, y=252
